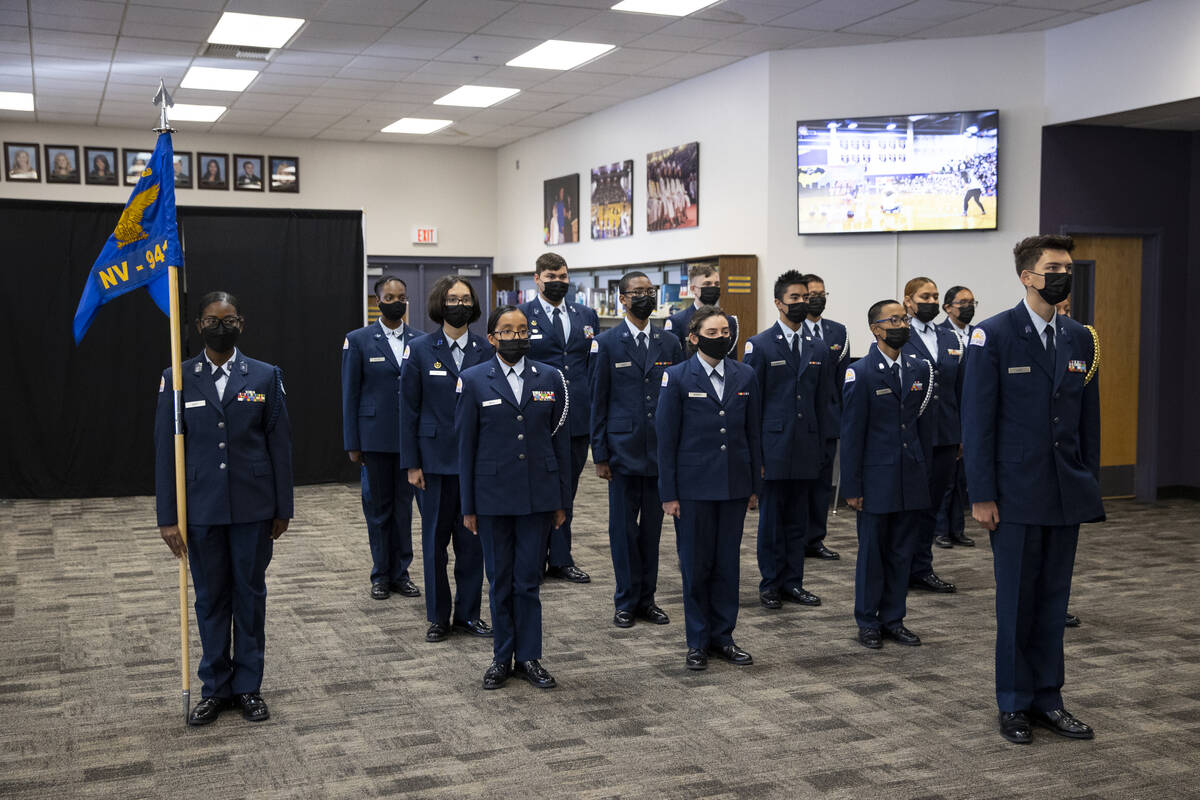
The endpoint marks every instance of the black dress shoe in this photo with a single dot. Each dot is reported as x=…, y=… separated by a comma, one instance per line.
x=623, y=619
x=797, y=594
x=207, y=710
x=770, y=600
x=943, y=541
x=437, y=633
x=1072, y=620
x=654, y=614
x=902, y=635
x=1062, y=723
x=536, y=674
x=496, y=675
x=406, y=587
x=932, y=583
x=962, y=540
x=696, y=659
x=380, y=591
x=569, y=573
x=475, y=627
x=733, y=654
x=869, y=638
x=1014, y=726
x=821, y=551
x=254, y=708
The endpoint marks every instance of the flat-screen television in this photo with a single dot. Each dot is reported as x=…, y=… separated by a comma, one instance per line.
x=910, y=172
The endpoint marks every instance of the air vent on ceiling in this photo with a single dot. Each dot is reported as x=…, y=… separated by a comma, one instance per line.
x=238, y=51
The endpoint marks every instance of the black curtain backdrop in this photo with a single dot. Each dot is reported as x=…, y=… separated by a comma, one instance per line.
x=78, y=421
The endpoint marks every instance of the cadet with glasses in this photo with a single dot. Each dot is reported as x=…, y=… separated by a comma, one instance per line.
x=960, y=307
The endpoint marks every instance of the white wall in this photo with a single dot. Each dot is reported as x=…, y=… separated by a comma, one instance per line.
x=398, y=186
x=1003, y=72
x=725, y=110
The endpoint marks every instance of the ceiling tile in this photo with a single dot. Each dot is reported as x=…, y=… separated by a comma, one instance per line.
x=832, y=15
x=586, y=104
x=702, y=29
x=679, y=44
x=729, y=47
x=638, y=85
x=89, y=9
x=552, y=119
x=836, y=39
x=66, y=118
x=380, y=13
x=63, y=22
x=537, y=101
x=997, y=19
x=628, y=61
x=748, y=11
x=1052, y=22
x=690, y=65
x=457, y=15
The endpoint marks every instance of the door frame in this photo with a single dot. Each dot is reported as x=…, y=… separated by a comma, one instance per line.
x=1145, y=471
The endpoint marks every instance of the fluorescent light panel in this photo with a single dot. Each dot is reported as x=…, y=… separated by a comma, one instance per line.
x=560, y=54
x=669, y=8
x=189, y=112
x=476, y=96
x=254, y=30
x=218, y=79
x=417, y=125
x=16, y=101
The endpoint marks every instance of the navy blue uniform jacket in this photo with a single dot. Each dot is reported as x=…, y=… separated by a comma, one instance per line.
x=708, y=449
x=886, y=441
x=571, y=359
x=428, y=382
x=625, y=396
x=948, y=383
x=678, y=323
x=838, y=341
x=239, y=450
x=1031, y=429
x=795, y=402
x=509, y=462
x=371, y=390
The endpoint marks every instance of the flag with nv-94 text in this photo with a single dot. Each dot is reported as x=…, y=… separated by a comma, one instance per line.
x=142, y=246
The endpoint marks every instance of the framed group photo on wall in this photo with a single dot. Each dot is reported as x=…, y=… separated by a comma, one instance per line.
x=21, y=161
x=673, y=188
x=612, y=200
x=62, y=163
x=100, y=164
x=249, y=171
x=213, y=169
x=285, y=174
x=560, y=210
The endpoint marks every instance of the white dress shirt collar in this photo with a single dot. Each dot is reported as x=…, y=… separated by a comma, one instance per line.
x=1039, y=324
x=634, y=330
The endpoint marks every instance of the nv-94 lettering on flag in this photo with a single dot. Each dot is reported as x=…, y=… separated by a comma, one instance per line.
x=144, y=243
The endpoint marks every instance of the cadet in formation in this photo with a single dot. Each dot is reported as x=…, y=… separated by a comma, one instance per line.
x=959, y=305
x=704, y=283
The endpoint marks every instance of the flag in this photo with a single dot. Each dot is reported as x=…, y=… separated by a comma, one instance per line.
x=142, y=246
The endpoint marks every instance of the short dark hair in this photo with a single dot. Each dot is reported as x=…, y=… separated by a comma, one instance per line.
x=383, y=279
x=701, y=271
x=496, y=314
x=548, y=262
x=952, y=293
x=437, y=298
x=697, y=322
x=814, y=278
x=623, y=286
x=217, y=297
x=876, y=309
x=789, y=278
x=1030, y=249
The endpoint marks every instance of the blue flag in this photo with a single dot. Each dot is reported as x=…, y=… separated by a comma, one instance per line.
x=142, y=246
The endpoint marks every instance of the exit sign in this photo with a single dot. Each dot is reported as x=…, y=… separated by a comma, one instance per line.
x=424, y=236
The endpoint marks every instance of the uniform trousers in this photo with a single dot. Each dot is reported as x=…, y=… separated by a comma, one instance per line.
x=951, y=519
x=441, y=527
x=885, y=548
x=513, y=549
x=819, y=493
x=708, y=536
x=941, y=474
x=783, y=523
x=635, y=518
x=388, y=507
x=229, y=571
x=559, y=554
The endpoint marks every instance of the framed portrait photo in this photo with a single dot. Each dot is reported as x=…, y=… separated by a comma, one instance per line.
x=134, y=162
x=183, y=169
x=62, y=163
x=213, y=169
x=21, y=161
x=285, y=174
x=100, y=166
x=248, y=173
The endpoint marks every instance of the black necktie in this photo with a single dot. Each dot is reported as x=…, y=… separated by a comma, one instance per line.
x=1050, y=342
x=817, y=331
x=896, y=373
x=558, y=326
x=641, y=347
x=457, y=353
x=796, y=344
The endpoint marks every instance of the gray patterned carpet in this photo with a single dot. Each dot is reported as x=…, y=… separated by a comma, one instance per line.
x=363, y=707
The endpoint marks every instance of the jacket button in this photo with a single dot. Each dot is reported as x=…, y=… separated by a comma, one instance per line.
x=566, y=366
x=722, y=430
x=723, y=447
x=1056, y=444
x=645, y=380
x=1056, y=420
x=520, y=437
x=520, y=417
x=906, y=445
x=649, y=415
x=222, y=465
x=799, y=416
x=220, y=445
x=647, y=397
x=221, y=425
x=721, y=413
x=521, y=457
x=903, y=426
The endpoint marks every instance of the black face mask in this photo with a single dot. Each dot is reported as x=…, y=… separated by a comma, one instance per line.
x=796, y=312
x=393, y=311
x=1058, y=287
x=457, y=316
x=896, y=338
x=512, y=350
x=220, y=338
x=966, y=314
x=643, y=307
x=816, y=306
x=926, y=311
x=714, y=346
x=709, y=295
x=554, y=291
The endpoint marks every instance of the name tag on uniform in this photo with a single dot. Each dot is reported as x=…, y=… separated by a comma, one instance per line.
x=697, y=394
x=535, y=336
x=487, y=403
x=374, y=359
x=1076, y=366
x=883, y=391
x=621, y=364
x=193, y=404
x=778, y=363
x=441, y=372
x=1017, y=370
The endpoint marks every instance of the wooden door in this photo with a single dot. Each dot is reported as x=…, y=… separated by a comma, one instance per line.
x=739, y=295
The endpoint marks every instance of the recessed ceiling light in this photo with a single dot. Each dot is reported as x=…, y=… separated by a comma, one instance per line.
x=560, y=54
x=254, y=30
x=16, y=101
x=417, y=125
x=475, y=96
x=188, y=112
x=218, y=79
x=670, y=8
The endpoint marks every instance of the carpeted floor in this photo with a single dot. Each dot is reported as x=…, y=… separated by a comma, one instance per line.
x=363, y=707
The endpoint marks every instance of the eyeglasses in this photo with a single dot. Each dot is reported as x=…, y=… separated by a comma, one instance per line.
x=651, y=292
x=964, y=304
x=905, y=321
x=228, y=322
x=458, y=301
x=815, y=295
x=508, y=336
